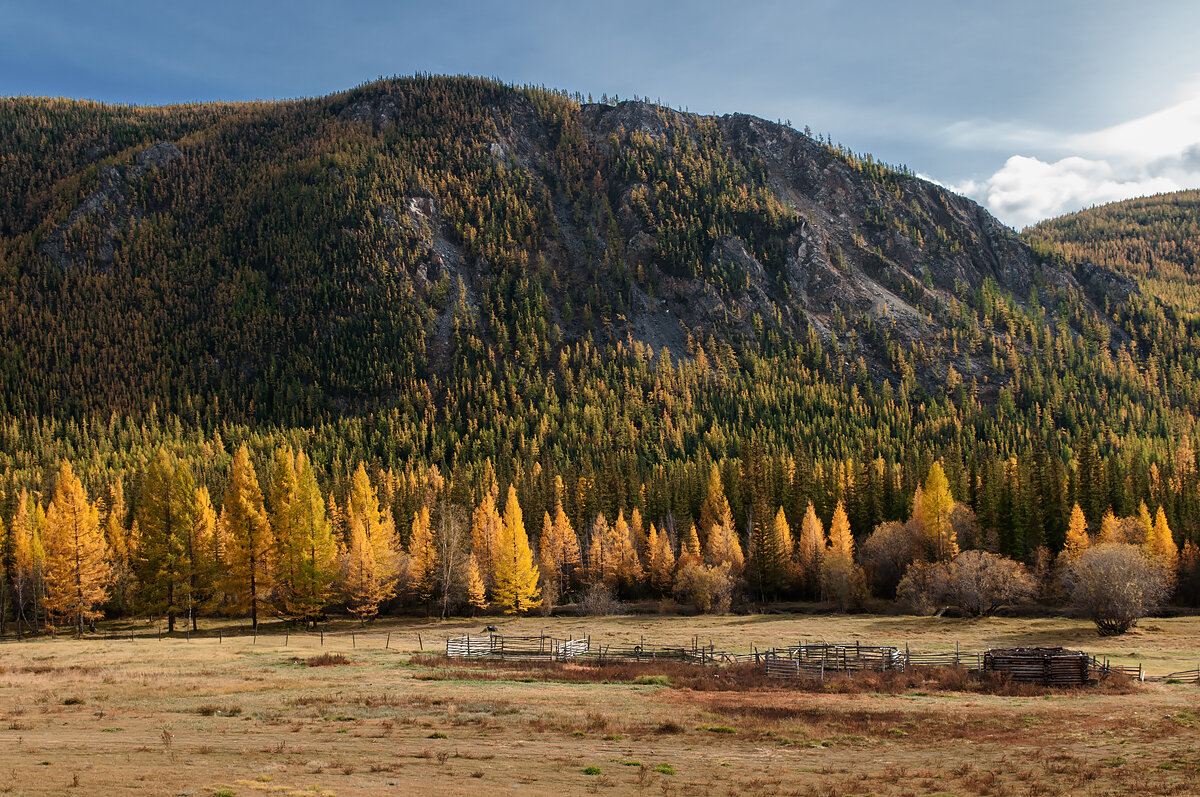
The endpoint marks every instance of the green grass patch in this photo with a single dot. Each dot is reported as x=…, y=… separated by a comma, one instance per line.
x=717, y=729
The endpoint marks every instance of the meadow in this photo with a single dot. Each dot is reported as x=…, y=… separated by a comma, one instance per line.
x=382, y=712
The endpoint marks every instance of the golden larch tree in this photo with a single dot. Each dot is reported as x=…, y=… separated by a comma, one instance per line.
x=516, y=587
x=782, y=531
x=421, y=556
x=842, y=579
x=689, y=544
x=166, y=554
x=559, y=556
x=476, y=594
x=722, y=548
x=118, y=534
x=247, y=531
x=378, y=524
x=1162, y=547
x=715, y=509
x=1077, y=533
x=936, y=506
x=621, y=550
x=599, y=563
x=77, y=571
x=486, y=529
x=661, y=565
x=361, y=584
x=26, y=532
x=305, y=548
x=810, y=551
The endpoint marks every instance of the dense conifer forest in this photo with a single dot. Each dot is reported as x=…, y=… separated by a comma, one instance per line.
x=446, y=343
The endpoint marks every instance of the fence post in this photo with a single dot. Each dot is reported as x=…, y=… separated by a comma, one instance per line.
x=421, y=644
x=388, y=644
x=286, y=635
x=353, y=640
x=220, y=637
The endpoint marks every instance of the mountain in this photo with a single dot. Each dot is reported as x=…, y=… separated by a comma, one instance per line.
x=1154, y=239
x=509, y=280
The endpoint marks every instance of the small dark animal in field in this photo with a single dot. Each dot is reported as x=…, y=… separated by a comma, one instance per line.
x=491, y=629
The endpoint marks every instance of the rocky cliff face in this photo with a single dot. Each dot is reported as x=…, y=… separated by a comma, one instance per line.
x=863, y=245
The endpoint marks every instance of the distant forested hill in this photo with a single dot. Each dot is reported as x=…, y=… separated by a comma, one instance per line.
x=515, y=285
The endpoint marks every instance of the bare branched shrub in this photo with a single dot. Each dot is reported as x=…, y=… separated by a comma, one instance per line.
x=922, y=587
x=600, y=601
x=981, y=583
x=707, y=587
x=843, y=582
x=977, y=582
x=1116, y=584
x=886, y=555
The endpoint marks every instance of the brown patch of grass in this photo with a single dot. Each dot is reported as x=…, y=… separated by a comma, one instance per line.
x=328, y=660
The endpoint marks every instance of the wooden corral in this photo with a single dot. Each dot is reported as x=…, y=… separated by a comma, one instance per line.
x=1046, y=666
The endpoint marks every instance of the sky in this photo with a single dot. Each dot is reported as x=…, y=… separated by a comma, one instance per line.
x=1034, y=109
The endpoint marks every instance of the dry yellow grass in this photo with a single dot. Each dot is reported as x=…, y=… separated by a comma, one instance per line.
x=244, y=717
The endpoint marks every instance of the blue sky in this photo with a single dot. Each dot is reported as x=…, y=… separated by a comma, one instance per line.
x=1033, y=108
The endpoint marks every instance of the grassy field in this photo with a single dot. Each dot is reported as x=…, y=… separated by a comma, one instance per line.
x=244, y=716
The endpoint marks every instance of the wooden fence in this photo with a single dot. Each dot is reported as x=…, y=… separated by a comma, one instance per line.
x=1183, y=677
x=1046, y=666
x=524, y=648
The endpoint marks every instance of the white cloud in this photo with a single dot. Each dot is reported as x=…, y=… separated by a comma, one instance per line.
x=1152, y=154
x=1027, y=190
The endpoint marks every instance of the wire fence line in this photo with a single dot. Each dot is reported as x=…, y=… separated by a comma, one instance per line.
x=803, y=658
x=365, y=639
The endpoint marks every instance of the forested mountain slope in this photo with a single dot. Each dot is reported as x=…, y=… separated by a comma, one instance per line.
x=515, y=285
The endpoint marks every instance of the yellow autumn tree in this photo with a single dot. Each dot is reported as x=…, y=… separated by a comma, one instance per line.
x=476, y=594
x=722, y=548
x=118, y=534
x=936, y=506
x=559, y=556
x=810, y=551
x=622, y=552
x=516, y=587
x=715, y=510
x=487, y=527
x=166, y=554
x=421, y=556
x=600, y=567
x=1077, y=533
x=1162, y=547
x=1109, y=528
x=26, y=532
x=77, y=571
x=1145, y=524
x=842, y=579
x=362, y=586
x=785, y=542
x=377, y=522
x=247, y=531
x=661, y=560
x=305, y=550
x=209, y=554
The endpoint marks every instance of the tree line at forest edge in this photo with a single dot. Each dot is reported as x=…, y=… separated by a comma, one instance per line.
x=288, y=551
